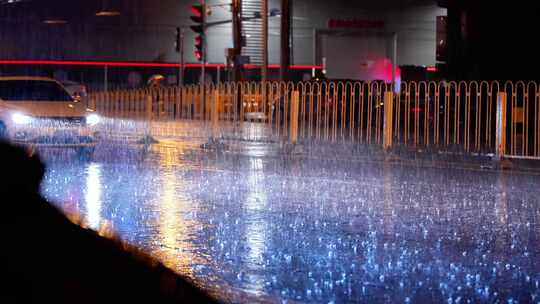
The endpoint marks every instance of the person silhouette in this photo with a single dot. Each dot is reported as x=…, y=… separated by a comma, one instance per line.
x=46, y=258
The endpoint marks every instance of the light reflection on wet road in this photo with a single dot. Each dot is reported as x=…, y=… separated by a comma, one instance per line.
x=311, y=230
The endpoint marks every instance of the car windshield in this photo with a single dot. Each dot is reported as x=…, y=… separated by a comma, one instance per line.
x=32, y=90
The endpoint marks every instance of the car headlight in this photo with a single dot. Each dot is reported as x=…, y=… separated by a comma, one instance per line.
x=21, y=119
x=93, y=119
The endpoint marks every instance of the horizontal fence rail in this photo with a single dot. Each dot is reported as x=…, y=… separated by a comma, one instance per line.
x=453, y=116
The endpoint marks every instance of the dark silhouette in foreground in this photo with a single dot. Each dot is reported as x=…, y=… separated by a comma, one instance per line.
x=45, y=258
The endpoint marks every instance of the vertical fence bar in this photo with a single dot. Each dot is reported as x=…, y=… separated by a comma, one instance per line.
x=378, y=110
x=369, y=114
x=103, y=103
x=129, y=104
x=118, y=103
x=427, y=112
x=447, y=116
x=336, y=109
x=407, y=114
x=242, y=102
x=500, y=135
x=92, y=104
x=417, y=115
x=302, y=88
x=467, y=127
x=340, y=107
x=294, y=117
x=397, y=114
x=215, y=114
x=278, y=101
x=148, y=108
x=525, y=123
x=352, y=111
x=184, y=104
x=488, y=115
x=117, y=100
x=123, y=103
x=436, y=117
x=311, y=113
x=457, y=115
x=537, y=123
x=288, y=91
x=327, y=108
x=149, y=115
x=134, y=104
x=319, y=100
x=388, y=119
x=513, y=131
x=478, y=129
x=361, y=99
x=271, y=107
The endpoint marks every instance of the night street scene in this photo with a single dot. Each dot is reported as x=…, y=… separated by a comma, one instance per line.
x=269, y=151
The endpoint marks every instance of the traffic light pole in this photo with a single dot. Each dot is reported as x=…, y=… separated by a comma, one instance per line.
x=199, y=17
x=285, y=39
x=237, y=36
x=203, y=67
x=204, y=45
x=182, y=60
x=264, y=70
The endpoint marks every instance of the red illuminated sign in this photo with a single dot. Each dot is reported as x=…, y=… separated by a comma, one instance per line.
x=355, y=23
x=141, y=64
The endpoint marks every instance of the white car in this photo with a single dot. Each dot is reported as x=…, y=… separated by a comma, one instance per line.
x=38, y=111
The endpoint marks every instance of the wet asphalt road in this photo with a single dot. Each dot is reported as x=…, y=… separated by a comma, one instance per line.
x=273, y=229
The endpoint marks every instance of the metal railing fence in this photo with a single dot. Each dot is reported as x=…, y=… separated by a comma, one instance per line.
x=471, y=117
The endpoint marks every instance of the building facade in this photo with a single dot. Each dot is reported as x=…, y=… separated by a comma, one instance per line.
x=348, y=37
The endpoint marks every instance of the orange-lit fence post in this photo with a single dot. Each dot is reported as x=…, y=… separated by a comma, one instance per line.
x=149, y=102
x=388, y=119
x=295, y=104
x=214, y=115
x=149, y=114
x=500, y=136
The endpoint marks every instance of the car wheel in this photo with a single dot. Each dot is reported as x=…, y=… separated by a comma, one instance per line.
x=85, y=153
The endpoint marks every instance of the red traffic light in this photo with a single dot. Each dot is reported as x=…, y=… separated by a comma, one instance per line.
x=198, y=55
x=197, y=10
x=198, y=17
x=199, y=48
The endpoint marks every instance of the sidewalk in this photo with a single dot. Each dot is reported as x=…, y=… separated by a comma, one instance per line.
x=191, y=129
x=259, y=140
